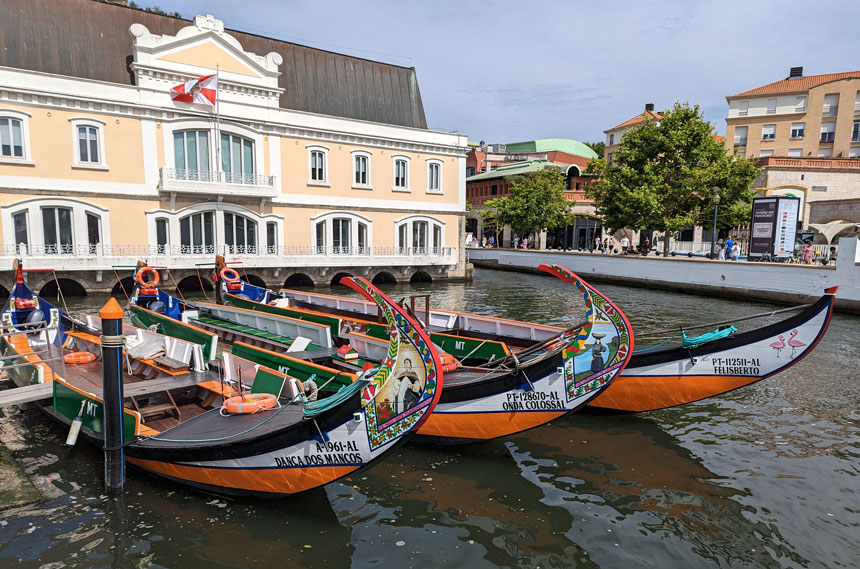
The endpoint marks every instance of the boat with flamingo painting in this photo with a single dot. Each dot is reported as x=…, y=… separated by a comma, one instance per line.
x=672, y=375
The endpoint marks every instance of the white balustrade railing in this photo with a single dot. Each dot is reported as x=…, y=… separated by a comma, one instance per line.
x=181, y=175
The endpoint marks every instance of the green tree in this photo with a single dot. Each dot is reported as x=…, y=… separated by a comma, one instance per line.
x=536, y=202
x=663, y=177
x=598, y=147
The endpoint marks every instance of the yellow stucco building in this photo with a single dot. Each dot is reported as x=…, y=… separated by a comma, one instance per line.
x=314, y=164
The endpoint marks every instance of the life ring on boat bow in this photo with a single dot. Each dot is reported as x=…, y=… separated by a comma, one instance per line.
x=247, y=404
x=139, y=277
x=448, y=362
x=229, y=275
x=80, y=358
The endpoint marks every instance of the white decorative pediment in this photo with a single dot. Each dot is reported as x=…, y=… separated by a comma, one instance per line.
x=162, y=61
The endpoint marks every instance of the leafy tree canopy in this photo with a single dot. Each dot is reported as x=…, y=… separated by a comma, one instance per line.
x=598, y=147
x=536, y=202
x=663, y=176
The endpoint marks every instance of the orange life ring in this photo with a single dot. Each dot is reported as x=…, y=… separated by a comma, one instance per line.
x=156, y=278
x=251, y=403
x=449, y=362
x=229, y=275
x=80, y=358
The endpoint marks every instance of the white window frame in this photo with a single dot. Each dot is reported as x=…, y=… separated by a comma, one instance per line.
x=768, y=136
x=367, y=156
x=227, y=127
x=828, y=127
x=174, y=237
x=79, y=122
x=318, y=148
x=394, y=159
x=741, y=140
x=794, y=129
x=409, y=246
x=800, y=104
x=35, y=231
x=854, y=152
x=770, y=107
x=430, y=163
x=230, y=132
x=829, y=109
x=825, y=153
x=765, y=154
x=795, y=152
x=25, y=137
x=743, y=108
x=354, y=219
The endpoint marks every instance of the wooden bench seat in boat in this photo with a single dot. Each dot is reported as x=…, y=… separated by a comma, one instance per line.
x=263, y=380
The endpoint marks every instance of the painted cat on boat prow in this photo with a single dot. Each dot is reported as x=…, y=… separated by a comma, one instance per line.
x=673, y=375
x=537, y=387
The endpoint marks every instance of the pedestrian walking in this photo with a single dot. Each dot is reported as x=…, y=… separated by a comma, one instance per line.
x=525, y=242
x=516, y=242
x=646, y=246
x=597, y=243
x=722, y=254
x=625, y=244
x=735, y=251
x=606, y=246
x=808, y=253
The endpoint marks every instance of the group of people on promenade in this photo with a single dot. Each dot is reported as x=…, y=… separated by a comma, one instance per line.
x=728, y=249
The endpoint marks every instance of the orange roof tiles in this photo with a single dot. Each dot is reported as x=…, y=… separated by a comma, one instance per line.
x=637, y=119
x=799, y=84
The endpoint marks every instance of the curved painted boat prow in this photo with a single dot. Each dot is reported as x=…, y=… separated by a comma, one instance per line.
x=333, y=437
x=673, y=375
x=568, y=371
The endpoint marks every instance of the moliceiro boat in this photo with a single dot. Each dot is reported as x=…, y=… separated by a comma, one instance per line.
x=227, y=424
x=654, y=378
x=502, y=376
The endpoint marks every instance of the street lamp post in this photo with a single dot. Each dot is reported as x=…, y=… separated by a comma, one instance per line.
x=714, y=230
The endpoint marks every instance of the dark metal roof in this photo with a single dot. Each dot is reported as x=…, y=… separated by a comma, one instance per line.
x=90, y=39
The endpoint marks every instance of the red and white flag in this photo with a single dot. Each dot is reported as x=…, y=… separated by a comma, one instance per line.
x=202, y=90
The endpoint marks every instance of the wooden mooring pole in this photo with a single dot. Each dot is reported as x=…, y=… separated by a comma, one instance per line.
x=111, y=340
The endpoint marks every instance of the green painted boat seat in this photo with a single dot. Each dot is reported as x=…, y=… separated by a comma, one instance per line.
x=266, y=381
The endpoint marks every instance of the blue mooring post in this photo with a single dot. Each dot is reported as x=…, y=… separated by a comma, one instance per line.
x=111, y=315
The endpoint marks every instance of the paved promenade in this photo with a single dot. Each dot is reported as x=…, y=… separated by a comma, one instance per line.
x=775, y=282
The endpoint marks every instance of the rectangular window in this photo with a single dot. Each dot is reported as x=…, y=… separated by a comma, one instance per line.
x=400, y=174
x=317, y=165
x=196, y=233
x=321, y=238
x=611, y=139
x=825, y=152
x=19, y=221
x=800, y=104
x=494, y=189
x=857, y=103
x=437, y=239
x=360, y=170
x=271, y=238
x=766, y=153
x=237, y=159
x=401, y=238
x=340, y=234
x=433, y=175
x=853, y=152
x=768, y=132
x=419, y=237
x=93, y=232
x=831, y=105
x=795, y=152
x=88, y=144
x=11, y=138
x=828, y=130
x=797, y=129
x=743, y=108
x=771, y=107
x=470, y=171
x=57, y=230
x=161, y=235
x=191, y=155
x=855, y=132
x=741, y=136
x=362, y=236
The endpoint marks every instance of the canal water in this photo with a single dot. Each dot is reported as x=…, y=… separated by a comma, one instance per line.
x=766, y=476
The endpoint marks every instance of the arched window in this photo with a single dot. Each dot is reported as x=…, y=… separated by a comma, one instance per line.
x=361, y=169
x=341, y=233
x=401, y=173
x=55, y=226
x=197, y=233
x=207, y=228
x=434, y=176
x=237, y=158
x=88, y=141
x=419, y=235
x=191, y=155
x=317, y=165
x=240, y=233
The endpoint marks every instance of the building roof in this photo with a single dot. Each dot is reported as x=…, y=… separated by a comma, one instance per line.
x=651, y=115
x=90, y=39
x=552, y=145
x=514, y=169
x=798, y=84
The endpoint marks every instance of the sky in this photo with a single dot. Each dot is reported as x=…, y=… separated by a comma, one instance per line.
x=504, y=71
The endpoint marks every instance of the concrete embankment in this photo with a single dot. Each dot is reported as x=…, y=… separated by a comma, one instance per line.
x=772, y=282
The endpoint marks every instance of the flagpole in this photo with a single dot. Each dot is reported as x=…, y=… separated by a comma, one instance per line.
x=217, y=124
